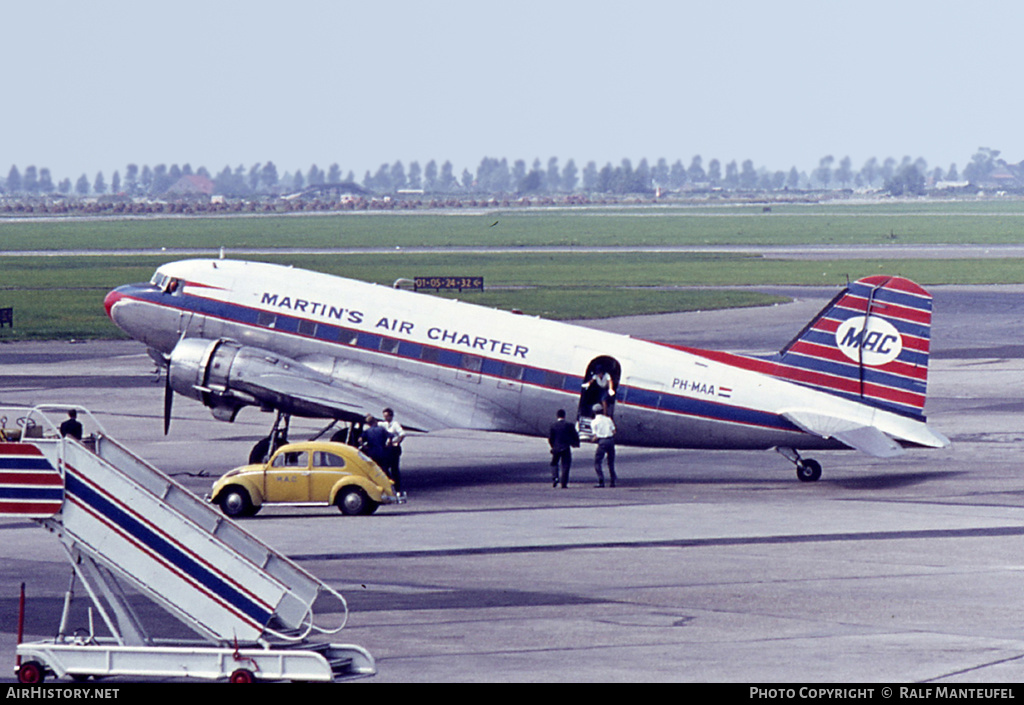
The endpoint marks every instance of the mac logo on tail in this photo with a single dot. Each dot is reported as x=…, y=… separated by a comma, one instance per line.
x=870, y=339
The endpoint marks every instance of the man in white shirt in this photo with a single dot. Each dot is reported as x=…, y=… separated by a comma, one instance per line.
x=603, y=429
x=394, y=450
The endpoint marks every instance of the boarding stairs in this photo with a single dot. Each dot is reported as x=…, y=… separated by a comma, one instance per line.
x=123, y=523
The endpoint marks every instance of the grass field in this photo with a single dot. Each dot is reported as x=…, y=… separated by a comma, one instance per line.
x=920, y=223
x=60, y=296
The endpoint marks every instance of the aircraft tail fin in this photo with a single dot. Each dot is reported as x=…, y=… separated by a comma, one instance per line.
x=870, y=343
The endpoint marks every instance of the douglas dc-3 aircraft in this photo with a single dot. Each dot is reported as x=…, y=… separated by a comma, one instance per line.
x=233, y=334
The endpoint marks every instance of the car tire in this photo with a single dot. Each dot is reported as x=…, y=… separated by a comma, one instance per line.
x=353, y=501
x=242, y=675
x=235, y=502
x=31, y=673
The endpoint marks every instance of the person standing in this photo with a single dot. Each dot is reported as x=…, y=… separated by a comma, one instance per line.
x=562, y=438
x=394, y=447
x=604, y=431
x=374, y=442
x=72, y=426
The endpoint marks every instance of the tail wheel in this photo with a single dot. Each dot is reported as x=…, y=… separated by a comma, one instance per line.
x=31, y=672
x=808, y=470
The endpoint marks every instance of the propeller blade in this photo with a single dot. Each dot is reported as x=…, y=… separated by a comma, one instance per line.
x=168, y=400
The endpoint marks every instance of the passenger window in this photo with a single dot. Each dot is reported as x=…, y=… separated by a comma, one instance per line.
x=292, y=460
x=512, y=371
x=471, y=362
x=554, y=380
x=323, y=459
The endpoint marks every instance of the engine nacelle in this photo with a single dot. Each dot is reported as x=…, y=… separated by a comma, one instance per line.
x=225, y=376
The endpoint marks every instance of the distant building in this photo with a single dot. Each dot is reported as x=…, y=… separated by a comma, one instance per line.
x=192, y=185
x=951, y=185
x=333, y=190
x=1002, y=177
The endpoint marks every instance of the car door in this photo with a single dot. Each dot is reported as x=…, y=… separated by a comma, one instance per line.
x=287, y=477
x=328, y=468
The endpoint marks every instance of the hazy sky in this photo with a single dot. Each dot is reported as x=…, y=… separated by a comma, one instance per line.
x=94, y=85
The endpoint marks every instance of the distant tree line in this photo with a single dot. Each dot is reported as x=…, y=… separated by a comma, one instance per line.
x=499, y=176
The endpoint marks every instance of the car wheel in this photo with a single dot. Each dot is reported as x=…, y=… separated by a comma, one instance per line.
x=31, y=672
x=242, y=675
x=353, y=501
x=235, y=502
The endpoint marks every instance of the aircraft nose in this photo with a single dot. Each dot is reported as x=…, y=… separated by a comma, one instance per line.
x=112, y=298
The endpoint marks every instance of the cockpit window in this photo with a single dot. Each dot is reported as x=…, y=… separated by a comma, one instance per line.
x=166, y=284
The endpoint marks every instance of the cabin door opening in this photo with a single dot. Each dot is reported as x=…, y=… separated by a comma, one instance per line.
x=600, y=388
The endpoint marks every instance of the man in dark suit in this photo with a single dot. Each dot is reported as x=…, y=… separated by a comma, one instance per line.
x=72, y=426
x=562, y=438
x=374, y=442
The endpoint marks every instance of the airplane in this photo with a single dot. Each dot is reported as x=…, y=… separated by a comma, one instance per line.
x=233, y=334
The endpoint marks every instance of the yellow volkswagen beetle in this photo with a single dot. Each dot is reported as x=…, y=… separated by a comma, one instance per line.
x=312, y=472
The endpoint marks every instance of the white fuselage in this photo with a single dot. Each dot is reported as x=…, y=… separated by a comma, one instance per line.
x=443, y=363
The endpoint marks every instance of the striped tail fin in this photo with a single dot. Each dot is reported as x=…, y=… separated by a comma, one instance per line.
x=870, y=343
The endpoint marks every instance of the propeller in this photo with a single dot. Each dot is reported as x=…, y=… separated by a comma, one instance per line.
x=164, y=360
x=168, y=399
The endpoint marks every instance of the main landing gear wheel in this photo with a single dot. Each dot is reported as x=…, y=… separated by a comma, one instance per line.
x=265, y=447
x=808, y=470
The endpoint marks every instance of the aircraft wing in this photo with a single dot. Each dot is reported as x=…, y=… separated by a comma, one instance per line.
x=349, y=400
x=327, y=395
x=226, y=375
x=858, y=436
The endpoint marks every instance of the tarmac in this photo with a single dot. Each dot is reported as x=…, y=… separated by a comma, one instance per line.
x=699, y=567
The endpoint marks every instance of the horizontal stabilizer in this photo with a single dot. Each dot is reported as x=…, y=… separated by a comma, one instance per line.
x=866, y=439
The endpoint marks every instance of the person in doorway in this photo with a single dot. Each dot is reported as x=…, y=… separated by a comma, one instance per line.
x=603, y=379
x=604, y=431
x=562, y=438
